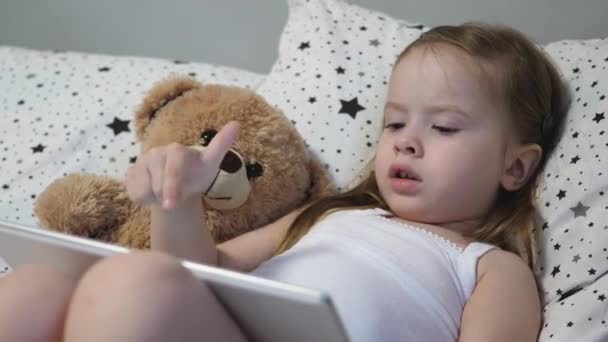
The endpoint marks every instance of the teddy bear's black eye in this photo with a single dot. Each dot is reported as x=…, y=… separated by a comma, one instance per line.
x=254, y=170
x=207, y=135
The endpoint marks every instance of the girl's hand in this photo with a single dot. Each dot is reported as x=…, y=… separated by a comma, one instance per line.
x=169, y=174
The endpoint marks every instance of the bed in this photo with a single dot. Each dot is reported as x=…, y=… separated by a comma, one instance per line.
x=66, y=110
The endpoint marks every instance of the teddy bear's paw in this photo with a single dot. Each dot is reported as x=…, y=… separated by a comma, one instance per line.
x=83, y=204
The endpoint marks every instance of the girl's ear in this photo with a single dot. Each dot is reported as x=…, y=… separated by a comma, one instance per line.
x=520, y=165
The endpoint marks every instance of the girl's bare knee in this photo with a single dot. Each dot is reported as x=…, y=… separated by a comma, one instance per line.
x=145, y=296
x=122, y=291
x=34, y=303
x=129, y=277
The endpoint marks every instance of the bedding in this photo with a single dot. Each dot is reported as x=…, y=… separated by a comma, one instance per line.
x=574, y=202
x=64, y=112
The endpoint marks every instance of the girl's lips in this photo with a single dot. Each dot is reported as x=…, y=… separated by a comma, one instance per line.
x=405, y=186
x=397, y=169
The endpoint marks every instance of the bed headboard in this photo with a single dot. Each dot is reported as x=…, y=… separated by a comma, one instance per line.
x=245, y=33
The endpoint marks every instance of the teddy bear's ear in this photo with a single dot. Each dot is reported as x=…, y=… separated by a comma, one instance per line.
x=320, y=182
x=159, y=96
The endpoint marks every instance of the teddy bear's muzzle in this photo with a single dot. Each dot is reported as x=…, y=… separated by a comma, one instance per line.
x=231, y=186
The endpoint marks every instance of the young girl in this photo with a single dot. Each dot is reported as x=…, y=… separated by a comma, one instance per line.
x=435, y=245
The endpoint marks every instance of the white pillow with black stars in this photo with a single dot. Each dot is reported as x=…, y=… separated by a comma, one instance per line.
x=331, y=78
x=580, y=316
x=71, y=112
x=574, y=201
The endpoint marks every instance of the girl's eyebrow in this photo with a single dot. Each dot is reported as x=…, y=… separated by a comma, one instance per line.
x=435, y=109
x=394, y=105
x=447, y=108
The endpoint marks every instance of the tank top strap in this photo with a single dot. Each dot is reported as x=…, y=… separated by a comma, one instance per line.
x=467, y=265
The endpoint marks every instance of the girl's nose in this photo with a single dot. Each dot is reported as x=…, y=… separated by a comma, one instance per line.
x=409, y=145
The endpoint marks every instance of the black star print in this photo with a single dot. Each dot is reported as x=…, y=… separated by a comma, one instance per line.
x=591, y=271
x=119, y=126
x=576, y=70
x=38, y=149
x=132, y=160
x=351, y=107
x=601, y=297
x=340, y=70
x=575, y=135
x=570, y=324
x=312, y=99
x=304, y=45
x=555, y=271
x=561, y=194
x=556, y=246
x=103, y=69
x=599, y=117
x=5, y=187
x=545, y=225
x=574, y=160
x=576, y=258
x=580, y=210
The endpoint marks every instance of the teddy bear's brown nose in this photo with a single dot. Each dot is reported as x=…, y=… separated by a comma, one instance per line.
x=231, y=163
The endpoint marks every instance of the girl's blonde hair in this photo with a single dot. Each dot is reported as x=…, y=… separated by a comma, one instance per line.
x=530, y=88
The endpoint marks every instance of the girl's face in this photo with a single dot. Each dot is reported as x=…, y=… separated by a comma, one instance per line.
x=443, y=129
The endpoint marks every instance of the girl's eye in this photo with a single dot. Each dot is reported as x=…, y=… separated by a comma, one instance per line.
x=445, y=130
x=394, y=126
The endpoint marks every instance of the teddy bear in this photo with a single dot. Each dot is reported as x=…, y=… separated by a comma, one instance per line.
x=267, y=173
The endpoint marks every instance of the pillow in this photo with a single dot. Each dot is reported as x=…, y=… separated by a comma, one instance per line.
x=331, y=78
x=580, y=317
x=64, y=112
x=574, y=201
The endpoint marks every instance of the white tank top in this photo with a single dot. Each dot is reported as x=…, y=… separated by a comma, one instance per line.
x=389, y=281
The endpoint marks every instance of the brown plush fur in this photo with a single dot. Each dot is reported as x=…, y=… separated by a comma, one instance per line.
x=179, y=110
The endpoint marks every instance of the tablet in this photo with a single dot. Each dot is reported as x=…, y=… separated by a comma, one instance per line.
x=266, y=310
